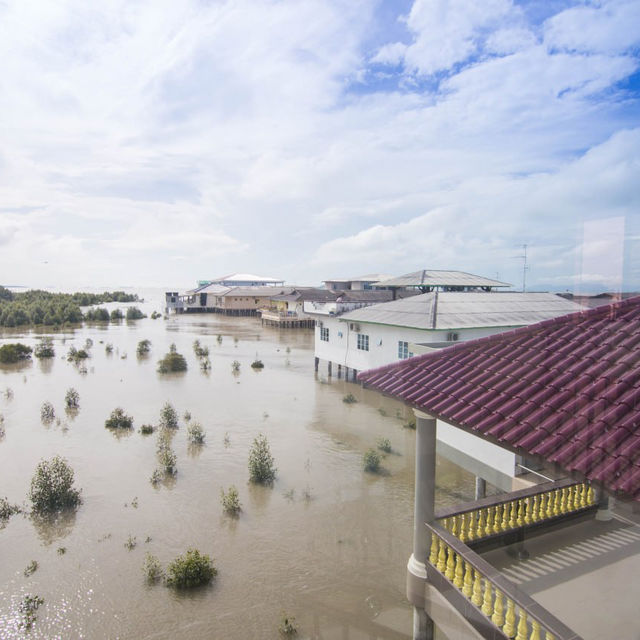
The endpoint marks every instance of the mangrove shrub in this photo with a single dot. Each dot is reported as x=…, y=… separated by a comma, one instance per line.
x=52, y=486
x=261, y=467
x=190, y=570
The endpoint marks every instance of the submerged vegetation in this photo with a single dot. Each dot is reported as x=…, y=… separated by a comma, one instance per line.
x=47, y=413
x=195, y=433
x=28, y=608
x=261, y=463
x=14, y=352
x=349, y=399
x=230, y=501
x=287, y=626
x=384, y=444
x=371, y=460
x=119, y=420
x=172, y=361
x=152, y=569
x=52, y=486
x=143, y=348
x=133, y=313
x=36, y=307
x=168, y=416
x=193, y=569
x=44, y=348
x=72, y=398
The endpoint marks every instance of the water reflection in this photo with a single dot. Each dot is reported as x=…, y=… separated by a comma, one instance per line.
x=53, y=527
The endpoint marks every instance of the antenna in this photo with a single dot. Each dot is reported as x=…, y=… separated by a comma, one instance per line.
x=525, y=268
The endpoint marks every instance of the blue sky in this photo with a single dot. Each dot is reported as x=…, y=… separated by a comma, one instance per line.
x=158, y=143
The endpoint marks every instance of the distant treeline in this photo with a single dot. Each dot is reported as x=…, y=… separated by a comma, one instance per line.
x=42, y=307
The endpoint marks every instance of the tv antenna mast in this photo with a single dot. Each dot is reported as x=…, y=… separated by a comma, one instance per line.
x=525, y=268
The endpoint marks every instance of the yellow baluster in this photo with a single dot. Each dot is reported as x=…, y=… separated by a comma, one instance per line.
x=476, y=597
x=514, y=513
x=535, y=630
x=445, y=523
x=498, y=610
x=583, y=495
x=570, y=499
x=442, y=557
x=471, y=531
x=528, y=516
x=535, y=507
x=451, y=565
x=487, y=603
x=463, y=527
x=459, y=574
x=433, y=556
x=467, y=588
x=509, y=628
x=488, y=530
x=480, y=528
x=556, y=503
x=522, y=626
x=454, y=526
x=520, y=518
x=504, y=524
x=563, y=500
x=549, y=496
x=591, y=496
x=495, y=525
x=542, y=514
x=549, y=636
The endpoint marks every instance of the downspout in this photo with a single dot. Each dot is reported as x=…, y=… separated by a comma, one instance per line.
x=434, y=312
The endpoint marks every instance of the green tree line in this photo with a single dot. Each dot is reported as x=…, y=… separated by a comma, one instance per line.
x=42, y=307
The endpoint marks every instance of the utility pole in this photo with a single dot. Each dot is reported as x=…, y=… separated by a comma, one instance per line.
x=524, y=268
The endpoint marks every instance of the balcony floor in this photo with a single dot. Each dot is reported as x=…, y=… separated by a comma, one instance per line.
x=587, y=575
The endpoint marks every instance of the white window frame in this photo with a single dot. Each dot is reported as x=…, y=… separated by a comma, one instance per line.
x=363, y=342
x=324, y=334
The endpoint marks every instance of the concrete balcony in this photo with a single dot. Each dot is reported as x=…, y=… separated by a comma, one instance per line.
x=272, y=317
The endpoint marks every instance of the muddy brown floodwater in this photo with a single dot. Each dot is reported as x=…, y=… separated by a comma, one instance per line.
x=327, y=544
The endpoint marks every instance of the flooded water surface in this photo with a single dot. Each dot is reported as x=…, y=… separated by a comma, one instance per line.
x=327, y=543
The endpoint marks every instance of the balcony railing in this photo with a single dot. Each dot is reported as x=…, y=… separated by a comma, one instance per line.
x=491, y=603
x=525, y=509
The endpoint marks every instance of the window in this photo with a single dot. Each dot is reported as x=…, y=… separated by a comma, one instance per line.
x=363, y=342
x=324, y=334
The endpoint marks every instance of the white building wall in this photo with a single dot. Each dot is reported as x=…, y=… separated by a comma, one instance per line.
x=383, y=341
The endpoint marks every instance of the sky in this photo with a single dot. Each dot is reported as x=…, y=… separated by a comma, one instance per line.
x=157, y=143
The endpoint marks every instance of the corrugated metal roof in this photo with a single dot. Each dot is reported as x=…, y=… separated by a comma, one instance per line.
x=245, y=277
x=567, y=390
x=315, y=295
x=465, y=310
x=260, y=291
x=437, y=278
x=369, y=277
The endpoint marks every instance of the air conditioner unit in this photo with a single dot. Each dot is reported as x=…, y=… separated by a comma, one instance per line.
x=320, y=324
x=452, y=336
x=354, y=326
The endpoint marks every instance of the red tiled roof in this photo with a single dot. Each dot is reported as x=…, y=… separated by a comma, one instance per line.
x=566, y=389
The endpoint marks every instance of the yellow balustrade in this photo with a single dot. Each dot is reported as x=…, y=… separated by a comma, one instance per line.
x=591, y=496
x=454, y=526
x=535, y=630
x=471, y=530
x=463, y=527
x=520, y=518
x=542, y=514
x=506, y=508
x=513, y=521
x=550, y=636
x=481, y=524
x=563, y=500
x=495, y=525
x=450, y=571
x=467, y=588
x=442, y=558
x=535, y=516
x=509, y=628
x=476, y=596
x=498, y=610
x=556, y=503
x=523, y=629
x=528, y=519
x=487, y=602
x=433, y=556
x=458, y=580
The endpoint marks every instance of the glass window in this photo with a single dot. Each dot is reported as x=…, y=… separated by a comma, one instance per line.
x=324, y=334
x=363, y=342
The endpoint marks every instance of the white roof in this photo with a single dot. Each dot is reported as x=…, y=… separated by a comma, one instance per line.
x=369, y=277
x=246, y=277
x=440, y=278
x=465, y=310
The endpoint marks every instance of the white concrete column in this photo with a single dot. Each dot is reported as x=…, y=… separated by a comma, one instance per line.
x=424, y=506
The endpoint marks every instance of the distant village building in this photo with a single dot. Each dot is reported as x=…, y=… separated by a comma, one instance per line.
x=234, y=294
x=286, y=310
x=358, y=283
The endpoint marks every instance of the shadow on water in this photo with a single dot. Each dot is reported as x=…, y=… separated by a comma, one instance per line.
x=55, y=526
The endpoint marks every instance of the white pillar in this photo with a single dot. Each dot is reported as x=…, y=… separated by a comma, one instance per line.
x=424, y=506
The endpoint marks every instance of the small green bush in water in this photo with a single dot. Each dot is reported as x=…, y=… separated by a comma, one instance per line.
x=14, y=352
x=44, y=349
x=384, y=444
x=235, y=366
x=287, y=626
x=261, y=468
x=52, y=486
x=116, y=314
x=133, y=313
x=72, y=398
x=349, y=398
x=47, y=412
x=371, y=461
x=230, y=501
x=147, y=429
x=119, y=420
x=7, y=509
x=257, y=364
x=190, y=570
x=195, y=433
x=144, y=346
x=168, y=416
x=172, y=361
x=152, y=569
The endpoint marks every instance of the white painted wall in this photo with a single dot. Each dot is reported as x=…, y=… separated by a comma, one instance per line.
x=383, y=341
